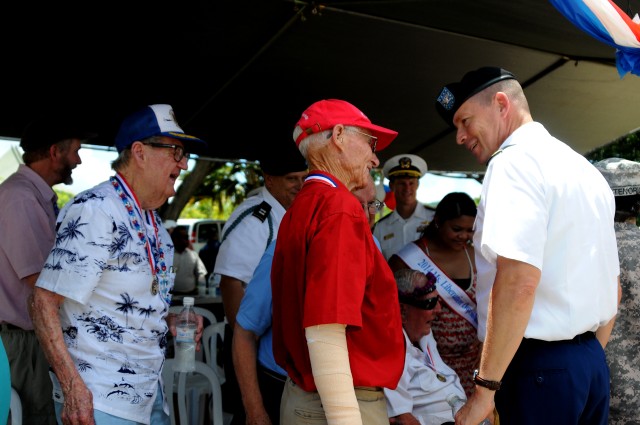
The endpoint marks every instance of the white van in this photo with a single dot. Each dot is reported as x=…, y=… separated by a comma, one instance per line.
x=199, y=230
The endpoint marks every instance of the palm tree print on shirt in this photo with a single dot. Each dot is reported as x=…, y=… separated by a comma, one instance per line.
x=71, y=231
x=146, y=312
x=126, y=306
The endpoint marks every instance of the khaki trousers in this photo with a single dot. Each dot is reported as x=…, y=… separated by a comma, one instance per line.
x=300, y=407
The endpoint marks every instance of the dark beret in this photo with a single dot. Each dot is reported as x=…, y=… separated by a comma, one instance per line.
x=453, y=95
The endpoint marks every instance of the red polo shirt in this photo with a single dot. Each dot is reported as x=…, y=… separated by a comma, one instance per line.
x=328, y=269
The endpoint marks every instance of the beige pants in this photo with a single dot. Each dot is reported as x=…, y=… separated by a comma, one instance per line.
x=299, y=407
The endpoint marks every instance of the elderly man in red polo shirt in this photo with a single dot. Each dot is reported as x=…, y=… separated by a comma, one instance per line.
x=336, y=320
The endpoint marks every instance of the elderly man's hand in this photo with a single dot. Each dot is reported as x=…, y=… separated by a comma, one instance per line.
x=479, y=407
x=404, y=419
x=78, y=404
x=172, y=321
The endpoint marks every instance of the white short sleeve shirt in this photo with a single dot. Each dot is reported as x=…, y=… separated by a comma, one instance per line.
x=544, y=204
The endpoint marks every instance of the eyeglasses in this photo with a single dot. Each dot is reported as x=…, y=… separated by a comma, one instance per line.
x=373, y=140
x=375, y=206
x=178, y=151
x=428, y=304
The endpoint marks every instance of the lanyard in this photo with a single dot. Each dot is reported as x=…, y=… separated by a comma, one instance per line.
x=432, y=364
x=122, y=189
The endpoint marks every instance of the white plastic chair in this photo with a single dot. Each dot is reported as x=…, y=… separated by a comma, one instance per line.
x=189, y=403
x=15, y=408
x=206, y=314
x=211, y=336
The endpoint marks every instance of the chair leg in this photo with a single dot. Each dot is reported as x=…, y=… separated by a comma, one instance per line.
x=15, y=408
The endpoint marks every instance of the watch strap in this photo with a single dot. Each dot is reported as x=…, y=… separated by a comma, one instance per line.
x=491, y=385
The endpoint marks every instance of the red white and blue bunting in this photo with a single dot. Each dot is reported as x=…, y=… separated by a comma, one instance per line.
x=605, y=21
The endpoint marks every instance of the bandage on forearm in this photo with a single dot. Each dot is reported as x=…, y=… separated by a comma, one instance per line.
x=329, y=358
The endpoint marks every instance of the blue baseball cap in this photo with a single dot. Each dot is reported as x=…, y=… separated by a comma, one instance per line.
x=155, y=120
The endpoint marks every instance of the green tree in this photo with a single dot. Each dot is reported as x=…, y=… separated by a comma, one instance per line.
x=225, y=186
x=63, y=197
x=627, y=147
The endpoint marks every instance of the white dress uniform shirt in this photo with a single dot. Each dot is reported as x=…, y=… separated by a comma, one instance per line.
x=543, y=204
x=241, y=250
x=394, y=232
x=425, y=384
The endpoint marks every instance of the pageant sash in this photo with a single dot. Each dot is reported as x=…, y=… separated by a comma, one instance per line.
x=451, y=293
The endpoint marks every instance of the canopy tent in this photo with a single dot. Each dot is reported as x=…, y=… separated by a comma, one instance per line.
x=239, y=73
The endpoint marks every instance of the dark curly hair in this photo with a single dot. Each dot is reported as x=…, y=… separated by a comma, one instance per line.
x=453, y=205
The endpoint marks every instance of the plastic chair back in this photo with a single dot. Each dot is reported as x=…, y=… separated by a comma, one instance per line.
x=184, y=401
x=212, y=336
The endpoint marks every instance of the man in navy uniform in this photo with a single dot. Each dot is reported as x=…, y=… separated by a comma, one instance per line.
x=406, y=223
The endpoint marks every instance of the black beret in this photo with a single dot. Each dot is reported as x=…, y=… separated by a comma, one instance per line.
x=283, y=159
x=453, y=95
x=47, y=130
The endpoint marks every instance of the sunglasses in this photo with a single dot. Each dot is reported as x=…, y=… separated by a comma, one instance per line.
x=428, y=304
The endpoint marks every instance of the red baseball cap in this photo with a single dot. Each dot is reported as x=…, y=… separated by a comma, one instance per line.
x=325, y=114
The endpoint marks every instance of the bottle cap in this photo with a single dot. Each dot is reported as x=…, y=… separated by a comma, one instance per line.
x=188, y=301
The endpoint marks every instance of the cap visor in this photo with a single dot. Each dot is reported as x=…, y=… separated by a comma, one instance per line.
x=384, y=135
x=192, y=144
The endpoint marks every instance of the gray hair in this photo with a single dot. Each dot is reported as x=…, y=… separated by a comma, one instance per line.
x=125, y=156
x=407, y=280
x=317, y=139
x=512, y=88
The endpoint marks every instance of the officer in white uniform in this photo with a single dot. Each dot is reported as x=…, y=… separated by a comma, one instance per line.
x=406, y=223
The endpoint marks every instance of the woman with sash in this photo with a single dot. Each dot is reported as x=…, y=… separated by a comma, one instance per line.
x=445, y=250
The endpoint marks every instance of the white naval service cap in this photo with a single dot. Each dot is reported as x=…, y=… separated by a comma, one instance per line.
x=622, y=175
x=404, y=165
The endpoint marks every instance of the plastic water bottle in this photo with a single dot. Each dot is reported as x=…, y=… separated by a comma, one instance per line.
x=456, y=404
x=185, y=337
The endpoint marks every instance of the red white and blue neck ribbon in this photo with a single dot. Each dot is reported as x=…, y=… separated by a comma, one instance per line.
x=317, y=177
x=605, y=21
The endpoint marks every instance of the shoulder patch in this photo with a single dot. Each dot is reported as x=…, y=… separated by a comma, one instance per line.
x=261, y=212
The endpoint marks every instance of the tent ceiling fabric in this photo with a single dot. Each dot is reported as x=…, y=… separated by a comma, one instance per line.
x=240, y=73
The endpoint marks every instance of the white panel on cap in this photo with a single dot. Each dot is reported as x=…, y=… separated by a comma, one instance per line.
x=166, y=118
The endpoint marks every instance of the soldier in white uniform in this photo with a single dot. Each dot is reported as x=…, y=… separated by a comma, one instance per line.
x=247, y=233
x=406, y=223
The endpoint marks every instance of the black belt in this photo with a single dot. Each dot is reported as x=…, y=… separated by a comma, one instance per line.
x=578, y=339
x=271, y=374
x=9, y=327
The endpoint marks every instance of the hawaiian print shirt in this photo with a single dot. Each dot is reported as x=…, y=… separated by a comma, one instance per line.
x=113, y=322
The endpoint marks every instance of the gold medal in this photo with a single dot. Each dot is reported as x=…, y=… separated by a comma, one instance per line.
x=154, y=285
x=441, y=378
